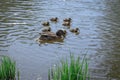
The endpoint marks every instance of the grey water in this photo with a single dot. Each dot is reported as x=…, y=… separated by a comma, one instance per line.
x=99, y=38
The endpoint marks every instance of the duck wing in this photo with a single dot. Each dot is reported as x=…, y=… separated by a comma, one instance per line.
x=48, y=33
x=48, y=36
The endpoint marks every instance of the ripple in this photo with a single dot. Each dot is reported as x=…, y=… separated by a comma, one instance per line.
x=14, y=23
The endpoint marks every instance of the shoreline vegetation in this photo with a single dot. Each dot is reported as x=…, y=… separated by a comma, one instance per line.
x=8, y=69
x=73, y=69
x=68, y=69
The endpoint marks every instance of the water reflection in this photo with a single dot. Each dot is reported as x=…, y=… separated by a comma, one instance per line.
x=109, y=33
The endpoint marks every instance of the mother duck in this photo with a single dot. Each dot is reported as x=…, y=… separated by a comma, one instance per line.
x=49, y=36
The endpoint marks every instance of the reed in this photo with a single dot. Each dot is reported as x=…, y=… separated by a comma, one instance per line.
x=75, y=69
x=7, y=69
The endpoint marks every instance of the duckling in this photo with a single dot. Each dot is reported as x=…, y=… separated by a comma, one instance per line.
x=76, y=30
x=54, y=19
x=48, y=36
x=46, y=23
x=48, y=29
x=66, y=24
x=67, y=20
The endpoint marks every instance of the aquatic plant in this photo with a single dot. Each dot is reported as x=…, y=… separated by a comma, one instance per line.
x=7, y=69
x=73, y=70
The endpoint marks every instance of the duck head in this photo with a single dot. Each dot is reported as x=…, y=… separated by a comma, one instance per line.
x=61, y=33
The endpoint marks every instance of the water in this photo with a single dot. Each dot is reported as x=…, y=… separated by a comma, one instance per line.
x=99, y=24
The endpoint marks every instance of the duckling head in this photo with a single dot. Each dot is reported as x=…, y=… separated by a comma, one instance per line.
x=56, y=18
x=70, y=19
x=77, y=29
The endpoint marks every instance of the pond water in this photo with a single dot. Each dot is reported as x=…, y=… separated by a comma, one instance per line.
x=99, y=38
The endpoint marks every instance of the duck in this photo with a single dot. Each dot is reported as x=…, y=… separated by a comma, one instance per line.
x=48, y=29
x=49, y=36
x=67, y=20
x=66, y=24
x=54, y=19
x=76, y=30
x=46, y=23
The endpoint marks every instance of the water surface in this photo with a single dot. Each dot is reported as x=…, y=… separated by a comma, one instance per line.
x=99, y=24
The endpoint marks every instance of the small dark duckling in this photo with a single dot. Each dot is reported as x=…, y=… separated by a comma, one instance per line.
x=48, y=29
x=67, y=20
x=76, y=30
x=48, y=36
x=46, y=23
x=54, y=19
x=66, y=24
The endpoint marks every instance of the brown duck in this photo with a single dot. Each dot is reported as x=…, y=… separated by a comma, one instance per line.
x=54, y=19
x=76, y=30
x=66, y=24
x=46, y=23
x=67, y=20
x=48, y=36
